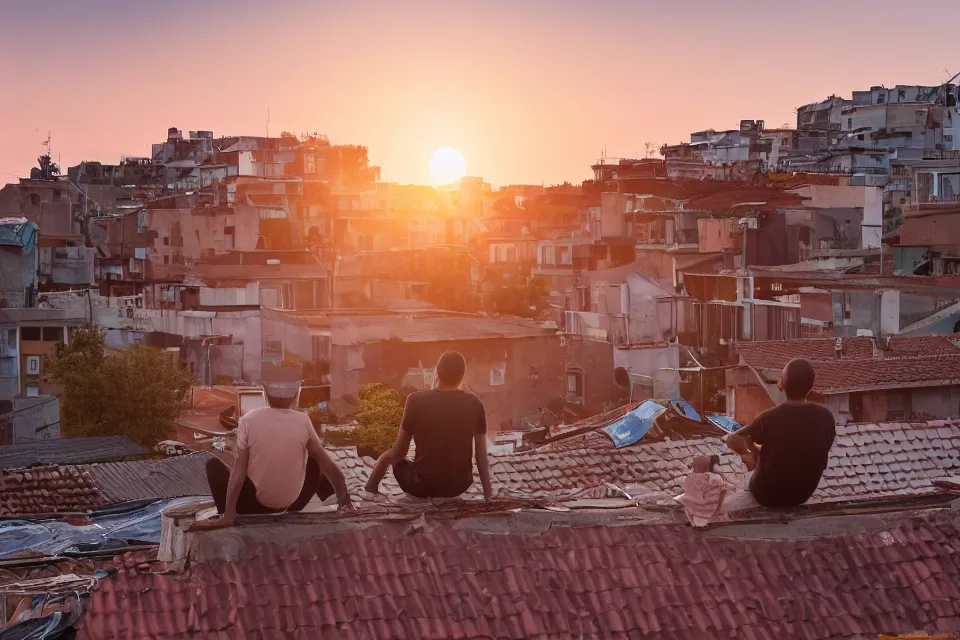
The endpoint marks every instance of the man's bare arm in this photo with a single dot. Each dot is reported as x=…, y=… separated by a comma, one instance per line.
x=331, y=471
x=742, y=441
x=483, y=463
x=396, y=453
x=229, y=517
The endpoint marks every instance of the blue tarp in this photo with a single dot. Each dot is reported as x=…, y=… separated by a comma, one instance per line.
x=686, y=409
x=18, y=232
x=52, y=537
x=726, y=423
x=633, y=426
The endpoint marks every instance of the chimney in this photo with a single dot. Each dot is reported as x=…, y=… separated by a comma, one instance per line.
x=881, y=345
x=838, y=349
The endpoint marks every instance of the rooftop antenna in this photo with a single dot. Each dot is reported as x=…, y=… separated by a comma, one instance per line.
x=268, y=121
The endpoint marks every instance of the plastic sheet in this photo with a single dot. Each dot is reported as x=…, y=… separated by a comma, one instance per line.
x=107, y=531
x=633, y=426
x=726, y=423
x=686, y=410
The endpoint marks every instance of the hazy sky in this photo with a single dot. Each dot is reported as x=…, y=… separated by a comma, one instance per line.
x=529, y=91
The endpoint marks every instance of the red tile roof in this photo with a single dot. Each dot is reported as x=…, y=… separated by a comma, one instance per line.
x=468, y=581
x=46, y=490
x=908, y=362
x=866, y=461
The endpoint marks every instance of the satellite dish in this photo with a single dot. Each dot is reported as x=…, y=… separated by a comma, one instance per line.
x=621, y=377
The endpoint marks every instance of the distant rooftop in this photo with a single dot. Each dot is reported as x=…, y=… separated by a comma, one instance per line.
x=68, y=451
x=862, y=362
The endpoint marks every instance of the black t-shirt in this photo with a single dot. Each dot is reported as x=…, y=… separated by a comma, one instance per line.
x=443, y=423
x=795, y=440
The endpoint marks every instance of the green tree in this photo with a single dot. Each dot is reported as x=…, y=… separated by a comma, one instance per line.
x=136, y=392
x=378, y=413
x=526, y=301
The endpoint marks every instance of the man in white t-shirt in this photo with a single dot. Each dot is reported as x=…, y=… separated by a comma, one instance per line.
x=280, y=464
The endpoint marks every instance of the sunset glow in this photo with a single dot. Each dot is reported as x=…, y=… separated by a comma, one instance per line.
x=446, y=166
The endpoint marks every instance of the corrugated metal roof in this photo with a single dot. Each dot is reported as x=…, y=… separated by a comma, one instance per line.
x=152, y=479
x=68, y=451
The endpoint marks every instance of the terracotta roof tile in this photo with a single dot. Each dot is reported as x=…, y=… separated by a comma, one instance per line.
x=580, y=468
x=933, y=359
x=587, y=581
x=45, y=490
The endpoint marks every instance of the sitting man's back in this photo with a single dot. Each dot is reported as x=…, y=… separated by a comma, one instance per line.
x=443, y=423
x=794, y=441
x=448, y=427
x=279, y=463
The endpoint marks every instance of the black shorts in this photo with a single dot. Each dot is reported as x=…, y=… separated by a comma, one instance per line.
x=414, y=483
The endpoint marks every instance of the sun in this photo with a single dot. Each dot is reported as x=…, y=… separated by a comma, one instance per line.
x=447, y=165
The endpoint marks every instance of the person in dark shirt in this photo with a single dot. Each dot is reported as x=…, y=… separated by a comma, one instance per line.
x=448, y=426
x=787, y=447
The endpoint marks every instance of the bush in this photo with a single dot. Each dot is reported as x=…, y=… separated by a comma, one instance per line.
x=378, y=414
x=135, y=392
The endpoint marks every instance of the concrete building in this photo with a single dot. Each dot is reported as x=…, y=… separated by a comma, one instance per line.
x=515, y=366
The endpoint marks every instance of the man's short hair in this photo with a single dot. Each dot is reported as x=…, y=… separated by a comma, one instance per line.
x=799, y=377
x=450, y=368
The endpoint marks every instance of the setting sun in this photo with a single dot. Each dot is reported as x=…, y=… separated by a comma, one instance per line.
x=447, y=165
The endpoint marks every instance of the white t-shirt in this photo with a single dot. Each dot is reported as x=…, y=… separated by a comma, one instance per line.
x=277, y=442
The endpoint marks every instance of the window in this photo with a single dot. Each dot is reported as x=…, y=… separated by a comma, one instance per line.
x=849, y=123
x=309, y=164
x=321, y=347
x=574, y=386
x=898, y=404
x=33, y=392
x=166, y=241
x=272, y=348
x=33, y=365
x=30, y=334
x=8, y=343
x=498, y=374
x=860, y=137
x=166, y=259
x=53, y=334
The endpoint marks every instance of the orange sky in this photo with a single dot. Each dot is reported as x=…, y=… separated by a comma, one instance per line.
x=528, y=91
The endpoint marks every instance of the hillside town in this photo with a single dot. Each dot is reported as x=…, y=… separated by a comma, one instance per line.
x=615, y=331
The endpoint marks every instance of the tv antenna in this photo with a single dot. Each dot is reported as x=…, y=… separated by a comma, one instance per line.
x=268, y=121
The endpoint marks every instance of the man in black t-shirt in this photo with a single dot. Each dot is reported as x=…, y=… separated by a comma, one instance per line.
x=787, y=446
x=448, y=426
